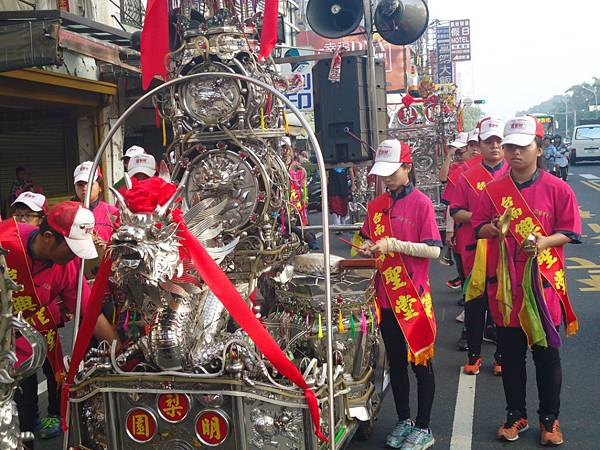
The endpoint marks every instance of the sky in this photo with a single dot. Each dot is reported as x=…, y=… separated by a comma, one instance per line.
x=525, y=51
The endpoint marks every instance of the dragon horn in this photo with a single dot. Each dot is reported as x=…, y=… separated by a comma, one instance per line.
x=128, y=184
x=163, y=171
x=162, y=210
x=120, y=200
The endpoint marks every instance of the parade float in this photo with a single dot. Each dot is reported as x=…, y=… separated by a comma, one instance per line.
x=233, y=335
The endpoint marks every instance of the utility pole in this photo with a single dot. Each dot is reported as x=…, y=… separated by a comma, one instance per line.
x=593, y=91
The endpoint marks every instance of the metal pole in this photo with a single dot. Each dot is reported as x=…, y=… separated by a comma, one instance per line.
x=371, y=77
x=324, y=209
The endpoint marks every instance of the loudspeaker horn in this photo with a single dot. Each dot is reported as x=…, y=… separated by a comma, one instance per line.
x=401, y=22
x=334, y=19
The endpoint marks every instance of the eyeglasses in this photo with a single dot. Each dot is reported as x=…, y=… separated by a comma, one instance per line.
x=25, y=217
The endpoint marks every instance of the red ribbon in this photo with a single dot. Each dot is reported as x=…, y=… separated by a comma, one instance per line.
x=268, y=34
x=154, y=45
x=143, y=197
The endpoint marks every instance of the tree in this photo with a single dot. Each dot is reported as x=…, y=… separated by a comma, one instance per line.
x=471, y=115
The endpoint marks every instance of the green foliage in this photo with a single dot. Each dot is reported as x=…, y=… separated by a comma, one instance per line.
x=471, y=115
x=576, y=101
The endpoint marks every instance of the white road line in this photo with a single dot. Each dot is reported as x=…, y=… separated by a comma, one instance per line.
x=462, y=427
x=589, y=176
x=42, y=387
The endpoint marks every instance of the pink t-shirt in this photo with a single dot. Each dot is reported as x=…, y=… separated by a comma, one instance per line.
x=554, y=203
x=105, y=216
x=413, y=220
x=448, y=191
x=465, y=197
x=51, y=282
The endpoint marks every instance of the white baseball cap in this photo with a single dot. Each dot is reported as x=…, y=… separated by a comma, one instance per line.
x=76, y=224
x=82, y=172
x=132, y=151
x=143, y=163
x=460, y=141
x=285, y=140
x=473, y=136
x=522, y=131
x=35, y=202
x=390, y=155
x=491, y=127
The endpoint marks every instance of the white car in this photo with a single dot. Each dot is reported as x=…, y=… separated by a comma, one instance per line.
x=585, y=145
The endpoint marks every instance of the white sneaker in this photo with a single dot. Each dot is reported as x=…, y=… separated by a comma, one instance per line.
x=461, y=317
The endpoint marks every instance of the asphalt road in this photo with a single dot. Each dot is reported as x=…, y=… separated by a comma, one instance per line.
x=580, y=415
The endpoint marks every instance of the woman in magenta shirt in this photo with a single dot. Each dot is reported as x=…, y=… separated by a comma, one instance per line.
x=414, y=235
x=554, y=204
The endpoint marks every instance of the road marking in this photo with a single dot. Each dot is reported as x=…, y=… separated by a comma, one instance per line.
x=462, y=427
x=42, y=387
x=592, y=185
x=589, y=176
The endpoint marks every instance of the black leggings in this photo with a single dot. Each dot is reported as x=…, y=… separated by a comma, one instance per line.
x=395, y=346
x=475, y=322
x=548, y=372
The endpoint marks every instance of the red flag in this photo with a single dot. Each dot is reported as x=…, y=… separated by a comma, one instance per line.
x=268, y=35
x=155, y=41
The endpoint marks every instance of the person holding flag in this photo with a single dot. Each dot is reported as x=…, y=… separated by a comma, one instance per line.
x=528, y=216
x=466, y=195
x=402, y=233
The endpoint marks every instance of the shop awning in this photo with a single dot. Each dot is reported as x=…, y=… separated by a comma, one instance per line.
x=35, y=38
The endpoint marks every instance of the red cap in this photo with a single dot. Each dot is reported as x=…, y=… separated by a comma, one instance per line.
x=76, y=224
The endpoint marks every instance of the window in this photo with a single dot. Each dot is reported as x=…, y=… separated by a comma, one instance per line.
x=132, y=13
x=588, y=133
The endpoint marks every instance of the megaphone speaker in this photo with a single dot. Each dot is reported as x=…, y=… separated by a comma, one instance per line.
x=334, y=19
x=401, y=22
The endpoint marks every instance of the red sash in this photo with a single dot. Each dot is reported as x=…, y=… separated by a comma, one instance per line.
x=26, y=300
x=414, y=313
x=504, y=194
x=477, y=178
x=471, y=162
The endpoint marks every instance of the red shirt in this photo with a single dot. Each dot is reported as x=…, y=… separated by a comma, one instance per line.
x=105, y=216
x=554, y=203
x=413, y=220
x=51, y=281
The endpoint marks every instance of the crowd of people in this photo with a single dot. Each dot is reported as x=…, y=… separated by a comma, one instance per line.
x=508, y=219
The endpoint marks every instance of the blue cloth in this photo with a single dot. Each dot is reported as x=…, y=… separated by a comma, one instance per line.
x=550, y=154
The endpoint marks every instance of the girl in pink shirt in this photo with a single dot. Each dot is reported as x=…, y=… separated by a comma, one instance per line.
x=416, y=237
x=553, y=203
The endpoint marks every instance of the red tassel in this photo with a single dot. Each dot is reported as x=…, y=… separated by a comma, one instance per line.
x=155, y=41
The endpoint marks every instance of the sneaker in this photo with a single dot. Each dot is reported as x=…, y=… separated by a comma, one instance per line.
x=418, y=439
x=550, y=433
x=473, y=365
x=515, y=424
x=402, y=429
x=489, y=334
x=461, y=317
x=461, y=344
x=50, y=427
x=497, y=369
x=455, y=283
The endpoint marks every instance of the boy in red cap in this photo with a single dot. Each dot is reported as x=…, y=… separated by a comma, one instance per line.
x=402, y=232
x=44, y=261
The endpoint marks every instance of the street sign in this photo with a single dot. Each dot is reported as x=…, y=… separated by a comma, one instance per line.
x=444, y=56
x=460, y=40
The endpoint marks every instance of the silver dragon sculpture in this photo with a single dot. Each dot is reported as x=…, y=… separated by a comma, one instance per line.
x=10, y=377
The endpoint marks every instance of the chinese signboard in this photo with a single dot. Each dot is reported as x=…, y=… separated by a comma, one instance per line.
x=173, y=407
x=301, y=98
x=444, y=56
x=460, y=40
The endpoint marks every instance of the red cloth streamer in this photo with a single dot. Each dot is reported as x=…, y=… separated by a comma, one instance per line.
x=268, y=34
x=86, y=329
x=144, y=196
x=155, y=41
